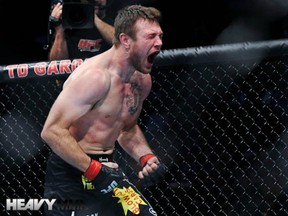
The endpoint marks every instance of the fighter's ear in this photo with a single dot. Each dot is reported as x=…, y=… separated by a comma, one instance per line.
x=124, y=40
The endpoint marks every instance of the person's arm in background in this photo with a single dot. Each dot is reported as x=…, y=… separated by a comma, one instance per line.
x=106, y=30
x=59, y=49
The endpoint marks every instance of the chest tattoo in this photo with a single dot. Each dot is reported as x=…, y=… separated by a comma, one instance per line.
x=133, y=99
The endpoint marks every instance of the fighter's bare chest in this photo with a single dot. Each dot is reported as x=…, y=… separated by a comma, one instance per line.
x=132, y=98
x=122, y=104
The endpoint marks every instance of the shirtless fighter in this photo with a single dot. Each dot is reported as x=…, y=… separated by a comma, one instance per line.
x=99, y=105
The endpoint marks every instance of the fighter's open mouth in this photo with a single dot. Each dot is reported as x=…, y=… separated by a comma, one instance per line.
x=152, y=57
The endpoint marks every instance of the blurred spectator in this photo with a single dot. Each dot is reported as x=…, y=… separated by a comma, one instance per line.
x=80, y=42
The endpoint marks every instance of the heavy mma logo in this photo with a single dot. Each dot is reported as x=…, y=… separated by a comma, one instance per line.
x=31, y=204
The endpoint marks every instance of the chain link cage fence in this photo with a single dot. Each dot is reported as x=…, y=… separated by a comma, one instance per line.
x=216, y=116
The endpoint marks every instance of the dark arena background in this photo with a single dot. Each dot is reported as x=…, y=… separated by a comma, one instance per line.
x=216, y=116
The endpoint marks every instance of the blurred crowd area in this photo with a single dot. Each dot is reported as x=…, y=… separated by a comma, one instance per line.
x=24, y=24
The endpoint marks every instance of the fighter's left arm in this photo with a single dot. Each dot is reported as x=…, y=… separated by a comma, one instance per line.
x=133, y=141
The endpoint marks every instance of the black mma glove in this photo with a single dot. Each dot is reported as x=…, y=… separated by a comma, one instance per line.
x=104, y=178
x=54, y=22
x=156, y=175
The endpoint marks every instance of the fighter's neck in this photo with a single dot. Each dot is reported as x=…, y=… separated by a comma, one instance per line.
x=119, y=62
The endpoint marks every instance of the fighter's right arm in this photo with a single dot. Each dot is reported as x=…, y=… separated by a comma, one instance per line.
x=76, y=99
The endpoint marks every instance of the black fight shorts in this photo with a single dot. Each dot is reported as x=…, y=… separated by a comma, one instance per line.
x=76, y=197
